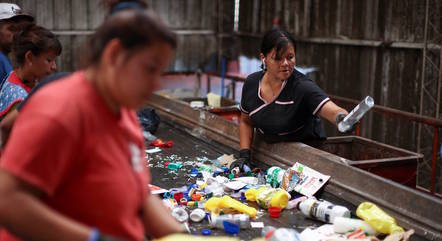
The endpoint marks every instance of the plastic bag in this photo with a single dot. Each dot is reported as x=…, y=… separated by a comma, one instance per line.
x=377, y=218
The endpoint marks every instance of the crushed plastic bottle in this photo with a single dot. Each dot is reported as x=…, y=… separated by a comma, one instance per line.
x=345, y=225
x=322, y=210
x=243, y=220
x=356, y=114
x=268, y=197
x=280, y=234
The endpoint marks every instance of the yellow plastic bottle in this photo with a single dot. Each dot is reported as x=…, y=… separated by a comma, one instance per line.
x=377, y=218
x=268, y=197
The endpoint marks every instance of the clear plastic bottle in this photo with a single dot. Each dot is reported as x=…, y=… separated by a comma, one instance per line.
x=344, y=225
x=356, y=114
x=322, y=210
x=243, y=220
x=280, y=234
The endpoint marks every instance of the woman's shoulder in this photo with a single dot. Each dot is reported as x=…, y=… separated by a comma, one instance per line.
x=255, y=77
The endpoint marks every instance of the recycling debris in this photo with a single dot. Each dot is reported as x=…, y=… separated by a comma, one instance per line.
x=222, y=196
x=160, y=143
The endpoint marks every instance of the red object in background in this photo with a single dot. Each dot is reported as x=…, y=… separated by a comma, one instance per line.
x=161, y=143
x=166, y=164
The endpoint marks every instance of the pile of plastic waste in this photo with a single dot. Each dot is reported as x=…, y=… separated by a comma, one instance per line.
x=233, y=200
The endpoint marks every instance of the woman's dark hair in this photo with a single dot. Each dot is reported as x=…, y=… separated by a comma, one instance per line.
x=34, y=38
x=135, y=29
x=114, y=6
x=277, y=39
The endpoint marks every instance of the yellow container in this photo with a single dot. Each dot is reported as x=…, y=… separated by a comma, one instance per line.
x=226, y=202
x=268, y=197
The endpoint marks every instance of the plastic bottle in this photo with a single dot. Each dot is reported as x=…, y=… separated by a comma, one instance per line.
x=345, y=225
x=294, y=202
x=243, y=220
x=322, y=210
x=356, y=114
x=268, y=197
x=281, y=234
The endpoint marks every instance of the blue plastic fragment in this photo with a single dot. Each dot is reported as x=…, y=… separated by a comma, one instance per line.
x=194, y=172
x=167, y=195
x=206, y=232
x=230, y=228
x=199, y=174
x=194, y=186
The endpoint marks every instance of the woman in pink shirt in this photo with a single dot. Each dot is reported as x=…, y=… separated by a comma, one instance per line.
x=75, y=169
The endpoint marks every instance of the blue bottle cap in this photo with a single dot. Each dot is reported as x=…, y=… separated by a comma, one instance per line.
x=206, y=232
x=230, y=228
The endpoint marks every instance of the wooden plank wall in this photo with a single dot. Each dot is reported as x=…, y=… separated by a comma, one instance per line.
x=83, y=16
x=391, y=75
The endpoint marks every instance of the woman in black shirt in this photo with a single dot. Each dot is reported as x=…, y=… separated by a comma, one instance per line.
x=281, y=103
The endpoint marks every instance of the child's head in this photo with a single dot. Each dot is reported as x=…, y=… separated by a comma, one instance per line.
x=35, y=49
x=129, y=53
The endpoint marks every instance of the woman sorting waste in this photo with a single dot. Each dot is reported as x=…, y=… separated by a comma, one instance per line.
x=76, y=169
x=281, y=103
x=112, y=7
x=35, y=49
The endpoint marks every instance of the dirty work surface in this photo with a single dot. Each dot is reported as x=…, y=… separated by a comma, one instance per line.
x=190, y=150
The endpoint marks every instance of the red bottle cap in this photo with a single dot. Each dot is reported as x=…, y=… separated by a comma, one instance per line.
x=177, y=196
x=274, y=212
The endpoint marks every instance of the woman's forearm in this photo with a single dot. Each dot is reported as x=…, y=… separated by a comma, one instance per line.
x=330, y=110
x=157, y=219
x=27, y=217
x=245, y=132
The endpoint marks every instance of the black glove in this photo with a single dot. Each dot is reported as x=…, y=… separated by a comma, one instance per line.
x=245, y=154
x=243, y=163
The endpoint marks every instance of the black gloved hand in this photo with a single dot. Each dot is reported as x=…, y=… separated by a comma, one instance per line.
x=244, y=160
x=245, y=154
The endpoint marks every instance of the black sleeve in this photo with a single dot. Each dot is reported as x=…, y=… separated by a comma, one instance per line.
x=314, y=97
x=249, y=94
x=48, y=79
